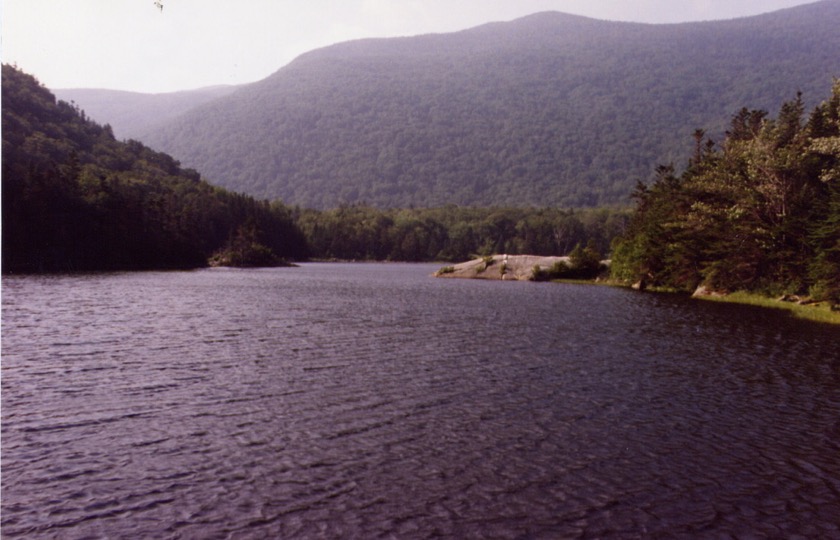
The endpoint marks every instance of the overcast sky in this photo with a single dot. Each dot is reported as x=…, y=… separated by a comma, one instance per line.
x=132, y=45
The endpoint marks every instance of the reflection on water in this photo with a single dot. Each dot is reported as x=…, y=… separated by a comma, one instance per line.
x=364, y=401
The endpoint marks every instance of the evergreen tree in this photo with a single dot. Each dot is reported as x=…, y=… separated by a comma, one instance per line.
x=74, y=198
x=757, y=214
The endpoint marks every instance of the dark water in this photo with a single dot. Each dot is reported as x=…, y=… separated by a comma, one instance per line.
x=371, y=401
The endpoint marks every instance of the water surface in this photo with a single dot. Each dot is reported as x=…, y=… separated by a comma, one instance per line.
x=371, y=401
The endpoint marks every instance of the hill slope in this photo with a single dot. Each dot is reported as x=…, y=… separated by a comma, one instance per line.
x=132, y=114
x=74, y=198
x=550, y=109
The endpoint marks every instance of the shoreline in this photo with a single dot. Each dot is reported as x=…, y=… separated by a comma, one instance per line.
x=820, y=312
x=816, y=312
x=520, y=268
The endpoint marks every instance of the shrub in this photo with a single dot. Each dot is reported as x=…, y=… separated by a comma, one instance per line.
x=559, y=270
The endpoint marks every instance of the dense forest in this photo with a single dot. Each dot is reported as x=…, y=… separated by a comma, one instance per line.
x=74, y=198
x=548, y=110
x=455, y=234
x=760, y=212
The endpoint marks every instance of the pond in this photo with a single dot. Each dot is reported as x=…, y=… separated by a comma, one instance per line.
x=373, y=401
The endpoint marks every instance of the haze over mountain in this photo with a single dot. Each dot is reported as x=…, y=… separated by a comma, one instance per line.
x=550, y=109
x=132, y=114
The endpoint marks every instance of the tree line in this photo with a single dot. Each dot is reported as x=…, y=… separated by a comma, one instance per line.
x=76, y=199
x=759, y=212
x=453, y=233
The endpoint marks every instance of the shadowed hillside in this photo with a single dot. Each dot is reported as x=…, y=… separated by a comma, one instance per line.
x=76, y=199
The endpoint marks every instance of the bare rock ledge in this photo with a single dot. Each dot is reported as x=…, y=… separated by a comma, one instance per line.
x=501, y=267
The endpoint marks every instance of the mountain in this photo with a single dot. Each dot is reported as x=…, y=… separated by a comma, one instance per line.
x=131, y=114
x=76, y=199
x=550, y=109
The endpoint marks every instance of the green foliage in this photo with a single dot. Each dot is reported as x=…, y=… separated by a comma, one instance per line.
x=452, y=233
x=824, y=271
x=584, y=263
x=819, y=312
x=76, y=199
x=548, y=110
x=762, y=213
x=245, y=250
x=558, y=270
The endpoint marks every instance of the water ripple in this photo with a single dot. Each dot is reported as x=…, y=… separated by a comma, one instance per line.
x=364, y=401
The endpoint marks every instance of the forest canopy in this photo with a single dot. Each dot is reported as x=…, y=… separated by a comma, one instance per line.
x=74, y=198
x=760, y=212
x=547, y=110
x=452, y=233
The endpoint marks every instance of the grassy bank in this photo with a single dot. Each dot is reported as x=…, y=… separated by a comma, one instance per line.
x=816, y=311
x=819, y=312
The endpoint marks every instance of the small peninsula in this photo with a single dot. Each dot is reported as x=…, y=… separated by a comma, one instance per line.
x=501, y=267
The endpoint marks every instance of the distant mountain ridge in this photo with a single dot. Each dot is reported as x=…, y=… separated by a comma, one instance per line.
x=550, y=109
x=132, y=114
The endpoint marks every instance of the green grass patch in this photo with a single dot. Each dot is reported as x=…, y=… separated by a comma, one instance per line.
x=819, y=311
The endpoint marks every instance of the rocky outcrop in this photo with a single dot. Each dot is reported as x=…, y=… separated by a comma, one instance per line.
x=705, y=290
x=501, y=267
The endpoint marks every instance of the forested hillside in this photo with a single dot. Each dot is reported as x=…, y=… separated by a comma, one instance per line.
x=761, y=213
x=132, y=114
x=548, y=110
x=76, y=199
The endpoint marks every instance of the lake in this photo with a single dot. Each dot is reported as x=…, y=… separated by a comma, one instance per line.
x=373, y=401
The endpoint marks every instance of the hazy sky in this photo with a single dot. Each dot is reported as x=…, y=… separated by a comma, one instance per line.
x=132, y=45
